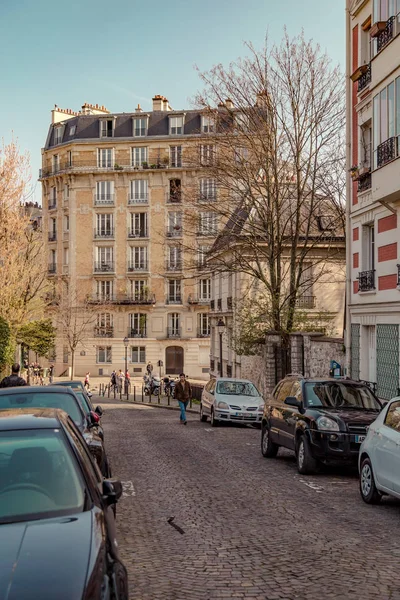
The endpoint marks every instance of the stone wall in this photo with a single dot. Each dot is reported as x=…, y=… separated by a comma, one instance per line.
x=318, y=353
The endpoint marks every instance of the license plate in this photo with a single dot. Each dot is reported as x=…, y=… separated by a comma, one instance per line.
x=360, y=438
x=238, y=415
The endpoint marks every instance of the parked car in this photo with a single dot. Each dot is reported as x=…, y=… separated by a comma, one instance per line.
x=85, y=399
x=231, y=400
x=322, y=420
x=379, y=460
x=57, y=530
x=75, y=385
x=64, y=398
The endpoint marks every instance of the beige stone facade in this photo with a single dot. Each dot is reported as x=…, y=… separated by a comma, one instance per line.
x=113, y=213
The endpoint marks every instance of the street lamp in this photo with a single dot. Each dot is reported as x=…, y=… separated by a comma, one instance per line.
x=221, y=329
x=126, y=344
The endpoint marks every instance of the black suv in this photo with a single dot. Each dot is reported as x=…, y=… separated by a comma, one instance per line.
x=322, y=420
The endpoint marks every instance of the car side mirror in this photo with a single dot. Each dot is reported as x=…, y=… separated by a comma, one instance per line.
x=92, y=419
x=98, y=410
x=112, y=491
x=292, y=401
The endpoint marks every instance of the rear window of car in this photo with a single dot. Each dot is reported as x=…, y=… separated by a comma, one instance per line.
x=237, y=388
x=340, y=395
x=66, y=402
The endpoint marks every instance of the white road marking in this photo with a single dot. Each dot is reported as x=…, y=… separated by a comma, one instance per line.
x=128, y=406
x=313, y=486
x=128, y=489
x=209, y=430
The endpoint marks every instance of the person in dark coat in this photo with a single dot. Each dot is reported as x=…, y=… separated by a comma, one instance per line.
x=13, y=380
x=183, y=393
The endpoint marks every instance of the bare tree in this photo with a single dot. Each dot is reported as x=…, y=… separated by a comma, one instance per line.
x=273, y=167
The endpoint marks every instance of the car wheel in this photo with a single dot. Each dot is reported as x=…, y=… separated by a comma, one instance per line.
x=268, y=448
x=306, y=463
x=368, y=489
x=203, y=417
x=214, y=422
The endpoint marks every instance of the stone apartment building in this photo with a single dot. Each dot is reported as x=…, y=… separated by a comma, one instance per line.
x=114, y=190
x=373, y=192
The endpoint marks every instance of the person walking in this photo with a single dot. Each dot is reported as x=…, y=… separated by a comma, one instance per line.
x=113, y=380
x=149, y=369
x=51, y=373
x=120, y=380
x=87, y=382
x=127, y=382
x=183, y=393
x=13, y=380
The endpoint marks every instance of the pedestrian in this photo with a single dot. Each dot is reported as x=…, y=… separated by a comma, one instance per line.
x=113, y=379
x=51, y=373
x=41, y=373
x=87, y=382
x=13, y=380
x=120, y=380
x=183, y=393
x=149, y=369
x=127, y=382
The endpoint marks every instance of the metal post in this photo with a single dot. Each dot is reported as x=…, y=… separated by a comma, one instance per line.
x=221, y=369
x=142, y=393
x=190, y=402
x=108, y=390
x=159, y=397
x=120, y=393
x=114, y=391
x=126, y=359
x=169, y=399
x=134, y=393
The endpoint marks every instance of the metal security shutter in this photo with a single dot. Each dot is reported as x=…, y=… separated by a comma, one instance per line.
x=355, y=352
x=387, y=361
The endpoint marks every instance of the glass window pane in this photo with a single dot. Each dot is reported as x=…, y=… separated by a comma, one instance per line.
x=398, y=105
x=43, y=400
x=384, y=118
x=376, y=123
x=391, y=122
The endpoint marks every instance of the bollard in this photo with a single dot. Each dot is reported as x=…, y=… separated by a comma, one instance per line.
x=114, y=392
x=142, y=394
x=190, y=403
x=120, y=393
x=158, y=398
x=108, y=390
x=169, y=399
x=134, y=393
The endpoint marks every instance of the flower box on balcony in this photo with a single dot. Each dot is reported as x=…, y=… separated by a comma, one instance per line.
x=377, y=28
x=358, y=72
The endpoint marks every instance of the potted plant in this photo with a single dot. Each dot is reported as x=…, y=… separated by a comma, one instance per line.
x=165, y=160
x=118, y=167
x=145, y=165
x=354, y=172
x=153, y=166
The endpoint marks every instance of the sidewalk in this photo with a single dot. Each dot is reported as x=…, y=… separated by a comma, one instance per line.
x=156, y=401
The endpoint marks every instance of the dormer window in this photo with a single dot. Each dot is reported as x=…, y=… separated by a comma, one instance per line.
x=242, y=121
x=176, y=125
x=58, y=135
x=207, y=124
x=140, y=127
x=106, y=128
x=72, y=130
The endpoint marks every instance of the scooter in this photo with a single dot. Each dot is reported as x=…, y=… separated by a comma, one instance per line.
x=155, y=386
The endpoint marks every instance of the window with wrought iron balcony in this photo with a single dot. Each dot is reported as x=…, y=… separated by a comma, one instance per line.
x=52, y=268
x=173, y=332
x=137, y=332
x=104, y=267
x=383, y=31
x=104, y=233
x=366, y=280
x=106, y=331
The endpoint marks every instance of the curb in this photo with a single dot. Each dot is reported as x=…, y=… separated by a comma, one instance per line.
x=153, y=404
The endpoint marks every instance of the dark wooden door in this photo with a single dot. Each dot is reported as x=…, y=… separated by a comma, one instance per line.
x=174, y=360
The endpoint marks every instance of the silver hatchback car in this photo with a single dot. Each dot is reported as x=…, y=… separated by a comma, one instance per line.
x=234, y=400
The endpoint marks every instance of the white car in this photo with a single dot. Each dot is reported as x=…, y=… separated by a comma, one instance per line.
x=234, y=400
x=379, y=458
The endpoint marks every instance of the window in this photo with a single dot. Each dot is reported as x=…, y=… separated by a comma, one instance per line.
x=207, y=152
x=208, y=189
x=72, y=130
x=139, y=156
x=106, y=127
x=69, y=158
x=140, y=127
x=384, y=9
x=174, y=290
x=175, y=190
x=105, y=258
x=66, y=256
x=56, y=163
x=368, y=241
x=204, y=324
x=104, y=192
x=104, y=354
x=205, y=289
x=174, y=254
x=66, y=192
x=138, y=260
x=139, y=290
x=138, y=354
x=105, y=290
x=202, y=254
x=66, y=223
x=242, y=121
x=58, y=134
x=138, y=225
x=105, y=224
x=386, y=124
x=53, y=195
x=393, y=416
x=241, y=154
x=208, y=223
x=284, y=391
x=53, y=258
x=105, y=320
x=176, y=156
x=207, y=124
x=139, y=191
x=137, y=325
x=175, y=125
x=105, y=158
x=174, y=227
x=173, y=324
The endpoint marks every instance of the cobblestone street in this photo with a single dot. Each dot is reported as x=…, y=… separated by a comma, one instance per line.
x=247, y=527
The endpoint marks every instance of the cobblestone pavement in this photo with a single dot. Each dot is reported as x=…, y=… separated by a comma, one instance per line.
x=252, y=527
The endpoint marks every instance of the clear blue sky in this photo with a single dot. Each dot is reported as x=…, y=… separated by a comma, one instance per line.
x=123, y=52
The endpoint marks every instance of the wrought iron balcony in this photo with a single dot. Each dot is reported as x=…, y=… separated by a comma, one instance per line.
x=105, y=332
x=102, y=299
x=198, y=300
x=175, y=231
x=366, y=280
x=173, y=332
x=104, y=234
x=138, y=198
x=104, y=199
x=137, y=332
x=134, y=233
x=305, y=302
x=386, y=151
x=386, y=35
x=365, y=78
x=203, y=332
x=229, y=303
x=52, y=268
x=104, y=267
x=52, y=236
x=364, y=182
x=174, y=267
x=398, y=275
x=138, y=266
x=174, y=299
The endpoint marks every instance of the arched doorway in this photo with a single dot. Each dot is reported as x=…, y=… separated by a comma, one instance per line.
x=174, y=359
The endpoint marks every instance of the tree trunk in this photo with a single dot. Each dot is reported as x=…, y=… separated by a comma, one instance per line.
x=72, y=364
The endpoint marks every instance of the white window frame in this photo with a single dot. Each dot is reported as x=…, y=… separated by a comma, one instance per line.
x=175, y=153
x=137, y=288
x=105, y=289
x=205, y=289
x=139, y=131
x=174, y=323
x=139, y=258
x=139, y=226
x=176, y=124
x=208, y=223
x=139, y=191
x=176, y=284
x=204, y=324
x=72, y=130
x=104, y=191
x=105, y=224
x=104, y=128
x=58, y=134
x=139, y=155
x=106, y=358
x=208, y=189
x=207, y=124
x=138, y=355
x=105, y=158
x=207, y=155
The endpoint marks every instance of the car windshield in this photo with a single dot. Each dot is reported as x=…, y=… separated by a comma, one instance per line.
x=237, y=388
x=340, y=395
x=66, y=402
x=39, y=477
x=82, y=401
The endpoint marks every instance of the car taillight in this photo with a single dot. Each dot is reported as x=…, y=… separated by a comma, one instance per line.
x=95, y=416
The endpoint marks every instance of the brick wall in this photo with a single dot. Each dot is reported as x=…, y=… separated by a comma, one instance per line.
x=387, y=223
x=355, y=287
x=355, y=260
x=356, y=234
x=388, y=252
x=387, y=282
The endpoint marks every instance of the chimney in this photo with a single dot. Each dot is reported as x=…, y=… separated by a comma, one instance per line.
x=166, y=104
x=262, y=98
x=158, y=102
x=229, y=103
x=138, y=108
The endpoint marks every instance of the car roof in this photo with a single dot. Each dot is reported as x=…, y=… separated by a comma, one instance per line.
x=323, y=379
x=30, y=389
x=233, y=379
x=67, y=383
x=31, y=418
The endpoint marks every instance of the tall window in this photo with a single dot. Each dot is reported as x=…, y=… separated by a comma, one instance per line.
x=139, y=156
x=56, y=163
x=174, y=258
x=173, y=324
x=207, y=124
x=176, y=156
x=175, y=125
x=386, y=123
x=205, y=289
x=66, y=191
x=105, y=290
x=104, y=192
x=368, y=247
x=241, y=154
x=104, y=354
x=138, y=258
x=174, y=291
x=139, y=191
x=138, y=325
x=139, y=289
x=208, y=223
x=384, y=9
x=106, y=127
x=204, y=325
x=138, y=225
x=53, y=259
x=202, y=254
x=66, y=257
x=105, y=158
x=53, y=196
x=58, y=134
x=174, y=226
x=140, y=127
x=69, y=158
x=208, y=189
x=105, y=224
x=105, y=258
x=207, y=154
x=138, y=354
x=66, y=223
x=105, y=320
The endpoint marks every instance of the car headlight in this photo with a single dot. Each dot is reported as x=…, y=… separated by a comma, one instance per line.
x=327, y=424
x=222, y=405
x=261, y=407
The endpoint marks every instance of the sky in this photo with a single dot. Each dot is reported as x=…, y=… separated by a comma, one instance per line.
x=120, y=53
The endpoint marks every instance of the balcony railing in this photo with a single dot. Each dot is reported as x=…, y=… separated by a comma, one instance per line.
x=174, y=231
x=174, y=197
x=104, y=234
x=209, y=232
x=102, y=299
x=138, y=198
x=105, y=332
x=134, y=233
x=203, y=332
x=398, y=275
x=121, y=299
x=305, y=302
x=52, y=203
x=93, y=165
x=386, y=35
x=173, y=332
x=138, y=266
x=212, y=304
x=104, y=199
x=386, y=151
x=365, y=78
x=174, y=300
x=140, y=332
x=198, y=300
x=229, y=303
x=173, y=266
x=219, y=304
x=366, y=280
x=52, y=236
x=141, y=299
x=52, y=268
x=364, y=182
x=104, y=267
